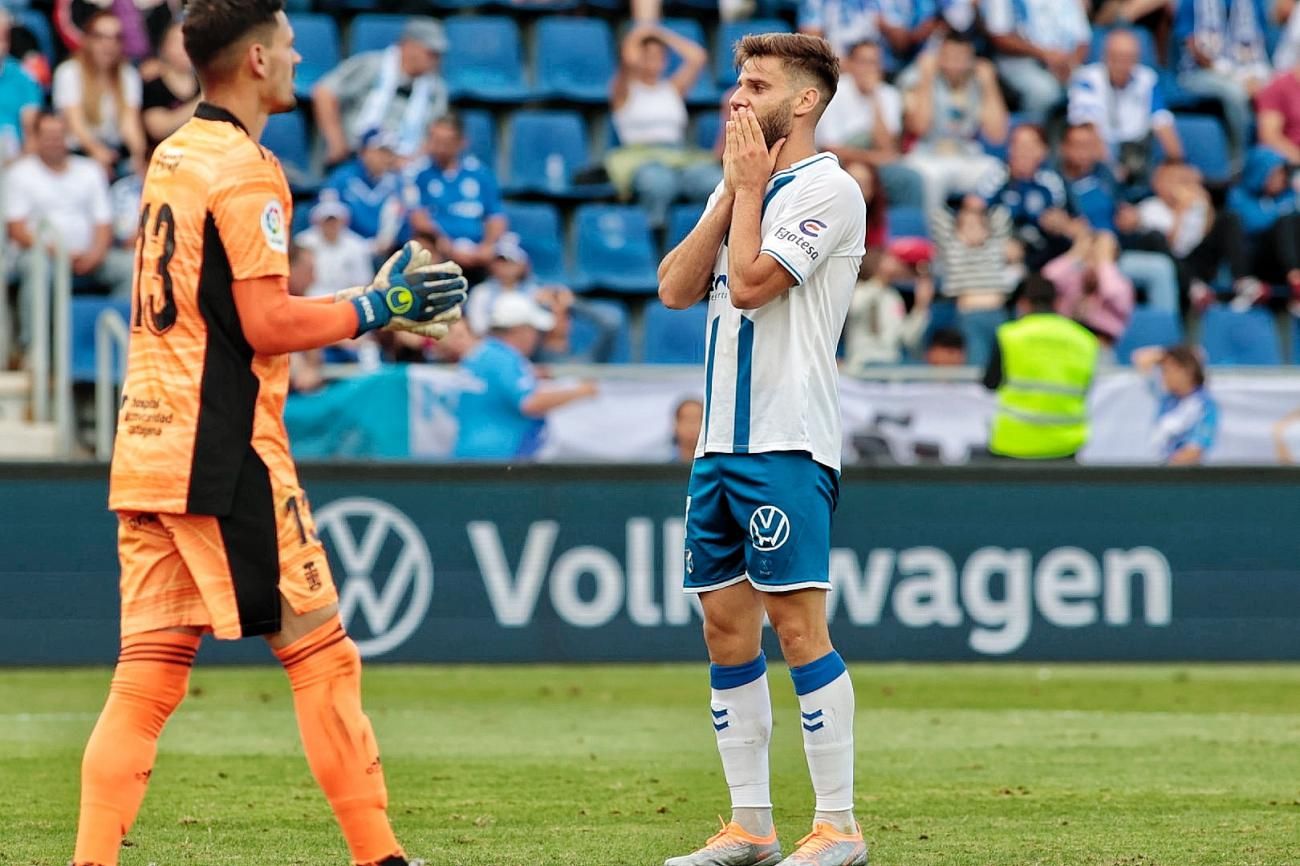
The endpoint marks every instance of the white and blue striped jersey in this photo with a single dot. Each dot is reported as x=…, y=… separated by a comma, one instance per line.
x=771, y=382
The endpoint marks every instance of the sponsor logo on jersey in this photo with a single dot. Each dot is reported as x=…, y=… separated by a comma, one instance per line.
x=784, y=234
x=812, y=228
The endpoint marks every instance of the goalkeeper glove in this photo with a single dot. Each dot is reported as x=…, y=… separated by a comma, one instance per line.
x=421, y=294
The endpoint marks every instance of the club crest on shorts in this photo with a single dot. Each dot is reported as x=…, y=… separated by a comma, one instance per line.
x=769, y=528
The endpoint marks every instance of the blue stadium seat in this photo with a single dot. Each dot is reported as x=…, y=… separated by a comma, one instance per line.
x=286, y=136
x=729, y=33
x=681, y=219
x=317, y=39
x=1148, y=327
x=373, y=31
x=488, y=63
x=674, y=336
x=546, y=149
x=86, y=311
x=575, y=59
x=40, y=27
x=480, y=135
x=615, y=250
x=582, y=333
x=705, y=91
x=1205, y=143
x=538, y=227
x=1146, y=41
x=1240, y=338
x=707, y=127
x=907, y=222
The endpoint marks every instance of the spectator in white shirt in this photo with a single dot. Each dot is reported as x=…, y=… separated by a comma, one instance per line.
x=342, y=258
x=648, y=109
x=1121, y=98
x=98, y=93
x=955, y=103
x=70, y=194
x=863, y=123
x=842, y=23
x=1039, y=44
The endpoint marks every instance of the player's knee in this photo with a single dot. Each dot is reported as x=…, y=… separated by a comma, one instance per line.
x=728, y=640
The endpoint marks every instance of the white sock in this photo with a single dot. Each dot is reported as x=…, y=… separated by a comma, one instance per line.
x=826, y=718
x=742, y=720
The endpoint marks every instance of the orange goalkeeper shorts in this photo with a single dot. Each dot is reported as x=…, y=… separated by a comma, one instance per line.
x=223, y=574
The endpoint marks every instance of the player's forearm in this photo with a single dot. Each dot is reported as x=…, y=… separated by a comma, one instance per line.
x=276, y=323
x=686, y=273
x=743, y=247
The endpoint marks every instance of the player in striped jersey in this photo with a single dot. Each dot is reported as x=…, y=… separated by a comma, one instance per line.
x=776, y=254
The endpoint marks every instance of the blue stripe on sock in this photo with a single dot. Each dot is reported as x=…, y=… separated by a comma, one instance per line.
x=734, y=676
x=812, y=676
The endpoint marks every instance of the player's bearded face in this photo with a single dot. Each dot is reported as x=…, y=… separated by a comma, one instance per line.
x=777, y=121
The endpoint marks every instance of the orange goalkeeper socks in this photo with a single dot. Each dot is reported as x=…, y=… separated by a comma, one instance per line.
x=324, y=670
x=152, y=676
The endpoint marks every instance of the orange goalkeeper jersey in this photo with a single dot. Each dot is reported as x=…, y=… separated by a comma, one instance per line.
x=197, y=398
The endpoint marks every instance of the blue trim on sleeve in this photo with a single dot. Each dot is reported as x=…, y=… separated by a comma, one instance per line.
x=815, y=675
x=734, y=676
x=781, y=260
x=744, y=385
x=779, y=184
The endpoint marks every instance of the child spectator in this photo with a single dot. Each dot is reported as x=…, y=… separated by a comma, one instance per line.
x=972, y=250
x=880, y=329
x=1187, y=420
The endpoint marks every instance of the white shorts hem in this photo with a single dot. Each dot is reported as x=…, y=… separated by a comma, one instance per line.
x=777, y=589
x=700, y=590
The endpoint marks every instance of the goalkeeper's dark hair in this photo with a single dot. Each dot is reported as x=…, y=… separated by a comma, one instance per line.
x=212, y=28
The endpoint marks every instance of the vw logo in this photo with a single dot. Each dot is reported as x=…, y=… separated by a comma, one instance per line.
x=384, y=569
x=769, y=528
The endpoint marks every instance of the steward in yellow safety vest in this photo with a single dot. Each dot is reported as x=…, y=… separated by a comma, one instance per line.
x=1041, y=367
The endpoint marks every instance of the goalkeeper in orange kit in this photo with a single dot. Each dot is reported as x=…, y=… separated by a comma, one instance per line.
x=215, y=534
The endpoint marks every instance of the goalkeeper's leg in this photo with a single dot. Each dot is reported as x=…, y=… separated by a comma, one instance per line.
x=324, y=670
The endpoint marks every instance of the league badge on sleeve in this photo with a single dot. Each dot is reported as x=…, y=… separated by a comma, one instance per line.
x=274, y=228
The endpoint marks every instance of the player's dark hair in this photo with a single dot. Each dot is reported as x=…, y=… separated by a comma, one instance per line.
x=212, y=27
x=1189, y=359
x=810, y=57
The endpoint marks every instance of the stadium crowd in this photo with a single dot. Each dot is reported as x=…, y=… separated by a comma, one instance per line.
x=1137, y=152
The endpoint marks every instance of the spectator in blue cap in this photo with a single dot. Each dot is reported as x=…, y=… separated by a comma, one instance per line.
x=371, y=188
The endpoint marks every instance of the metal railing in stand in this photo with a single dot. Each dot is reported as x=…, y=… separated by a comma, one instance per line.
x=112, y=334
x=47, y=285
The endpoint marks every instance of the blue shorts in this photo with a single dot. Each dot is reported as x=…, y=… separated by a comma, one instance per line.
x=765, y=518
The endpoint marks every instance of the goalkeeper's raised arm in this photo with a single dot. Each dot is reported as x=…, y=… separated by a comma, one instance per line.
x=410, y=292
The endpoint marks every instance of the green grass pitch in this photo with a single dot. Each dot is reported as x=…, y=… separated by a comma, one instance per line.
x=600, y=766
